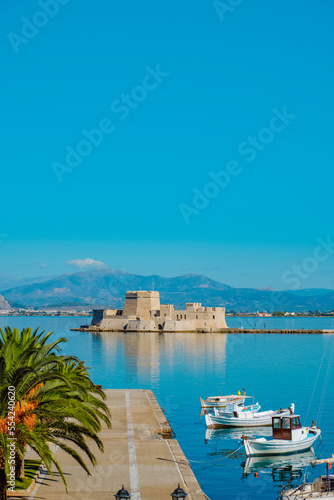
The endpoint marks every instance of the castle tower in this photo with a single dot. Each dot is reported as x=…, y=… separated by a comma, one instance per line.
x=141, y=303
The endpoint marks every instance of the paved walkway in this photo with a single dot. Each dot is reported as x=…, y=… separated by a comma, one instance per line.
x=137, y=454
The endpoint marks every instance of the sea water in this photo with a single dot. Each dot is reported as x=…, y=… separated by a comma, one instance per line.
x=277, y=369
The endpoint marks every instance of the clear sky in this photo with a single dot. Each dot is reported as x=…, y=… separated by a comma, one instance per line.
x=212, y=144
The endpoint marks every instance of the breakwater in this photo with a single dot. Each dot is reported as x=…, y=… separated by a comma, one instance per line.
x=96, y=329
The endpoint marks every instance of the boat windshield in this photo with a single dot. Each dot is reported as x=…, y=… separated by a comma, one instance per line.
x=296, y=423
x=277, y=423
x=286, y=423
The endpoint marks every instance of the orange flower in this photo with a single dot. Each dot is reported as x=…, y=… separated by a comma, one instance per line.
x=30, y=421
x=20, y=411
x=3, y=426
x=33, y=391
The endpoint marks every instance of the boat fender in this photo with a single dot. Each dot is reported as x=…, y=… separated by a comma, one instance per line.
x=256, y=474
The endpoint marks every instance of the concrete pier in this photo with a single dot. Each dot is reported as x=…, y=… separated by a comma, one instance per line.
x=140, y=453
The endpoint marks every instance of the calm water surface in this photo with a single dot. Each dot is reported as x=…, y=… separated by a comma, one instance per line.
x=277, y=369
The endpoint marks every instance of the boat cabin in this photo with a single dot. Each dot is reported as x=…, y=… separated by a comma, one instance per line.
x=286, y=427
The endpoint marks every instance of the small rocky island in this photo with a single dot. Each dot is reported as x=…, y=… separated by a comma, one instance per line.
x=143, y=312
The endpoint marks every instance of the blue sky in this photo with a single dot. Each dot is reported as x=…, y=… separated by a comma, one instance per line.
x=180, y=94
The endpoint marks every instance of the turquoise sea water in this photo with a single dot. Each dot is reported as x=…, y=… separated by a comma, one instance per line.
x=277, y=369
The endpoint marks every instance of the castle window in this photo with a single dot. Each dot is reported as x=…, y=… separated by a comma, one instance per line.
x=214, y=317
x=185, y=316
x=181, y=316
x=196, y=316
x=177, y=316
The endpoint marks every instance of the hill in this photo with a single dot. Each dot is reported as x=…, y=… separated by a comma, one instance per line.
x=7, y=281
x=3, y=303
x=107, y=287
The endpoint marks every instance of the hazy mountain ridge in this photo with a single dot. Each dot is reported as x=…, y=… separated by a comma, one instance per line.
x=8, y=282
x=103, y=286
x=108, y=287
x=3, y=303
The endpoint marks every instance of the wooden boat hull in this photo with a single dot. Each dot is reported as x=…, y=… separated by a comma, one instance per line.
x=322, y=487
x=308, y=495
x=229, y=421
x=220, y=402
x=240, y=409
x=310, y=491
x=262, y=447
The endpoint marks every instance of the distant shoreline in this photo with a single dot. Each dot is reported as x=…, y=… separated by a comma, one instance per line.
x=78, y=315
x=39, y=315
x=225, y=331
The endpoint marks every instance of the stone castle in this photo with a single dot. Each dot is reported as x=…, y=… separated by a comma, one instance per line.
x=143, y=312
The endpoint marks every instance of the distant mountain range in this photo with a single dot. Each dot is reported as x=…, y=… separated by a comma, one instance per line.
x=107, y=287
x=7, y=281
x=3, y=303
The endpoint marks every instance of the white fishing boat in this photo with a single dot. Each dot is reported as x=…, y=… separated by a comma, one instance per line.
x=288, y=436
x=221, y=401
x=322, y=487
x=231, y=408
x=242, y=418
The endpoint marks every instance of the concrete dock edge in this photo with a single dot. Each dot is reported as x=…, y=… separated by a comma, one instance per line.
x=186, y=472
x=140, y=452
x=164, y=427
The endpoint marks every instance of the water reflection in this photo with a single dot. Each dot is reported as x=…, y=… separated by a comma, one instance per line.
x=217, y=434
x=144, y=351
x=179, y=368
x=285, y=469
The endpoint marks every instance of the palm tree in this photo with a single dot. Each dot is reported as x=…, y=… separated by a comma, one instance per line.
x=56, y=401
x=23, y=355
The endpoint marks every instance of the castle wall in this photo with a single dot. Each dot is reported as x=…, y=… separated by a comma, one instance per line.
x=141, y=304
x=140, y=324
x=201, y=317
x=142, y=311
x=178, y=326
x=114, y=323
x=166, y=311
x=97, y=316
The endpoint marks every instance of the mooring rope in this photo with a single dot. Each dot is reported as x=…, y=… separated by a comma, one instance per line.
x=191, y=423
x=218, y=459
